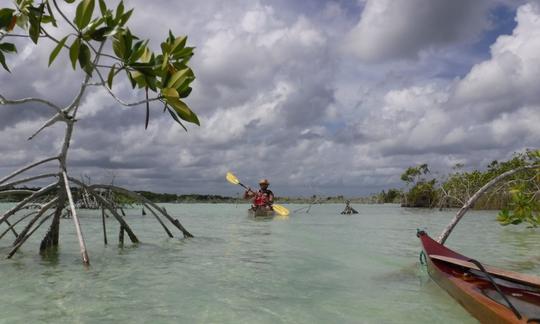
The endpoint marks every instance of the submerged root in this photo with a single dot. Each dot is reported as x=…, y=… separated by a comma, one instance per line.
x=27, y=200
x=107, y=205
x=17, y=222
x=146, y=202
x=23, y=239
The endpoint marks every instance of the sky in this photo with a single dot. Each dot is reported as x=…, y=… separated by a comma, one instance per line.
x=320, y=97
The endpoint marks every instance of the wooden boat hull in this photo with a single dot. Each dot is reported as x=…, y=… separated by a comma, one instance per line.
x=261, y=213
x=473, y=290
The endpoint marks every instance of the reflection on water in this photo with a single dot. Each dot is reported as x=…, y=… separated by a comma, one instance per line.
x=320, y=267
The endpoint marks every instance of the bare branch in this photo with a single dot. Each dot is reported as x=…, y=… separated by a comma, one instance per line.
x=32, y=206
x=159, y=220
x=26, y=200
x=21, y=242
x=26, y=168
x=4, y=101
x=43, y=209
x=20, y=35
x=447, y=195
x=13, y=183
x=74, y=106
x=17, y=222
x=12, y=229
x=110, y=56
x=122, y=222
x=47, y=35
x=120, y=101
x=104, y=225
x=17, y=191
x=95, y=84
x=109, y=206
x=99, y=52
x=53, y=120
x=64, y=16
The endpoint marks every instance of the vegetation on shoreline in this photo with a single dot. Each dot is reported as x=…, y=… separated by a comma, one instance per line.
x=454, y=189
x=422, y=190
x=204, y=198
x=518, y=196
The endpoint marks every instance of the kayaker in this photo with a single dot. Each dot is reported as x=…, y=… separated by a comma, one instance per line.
x=263, y=198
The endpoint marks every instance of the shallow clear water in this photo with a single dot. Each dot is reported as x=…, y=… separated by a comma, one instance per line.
x=320, y=267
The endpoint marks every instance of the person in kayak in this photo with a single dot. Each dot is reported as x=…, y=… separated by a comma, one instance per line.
x=262, y=199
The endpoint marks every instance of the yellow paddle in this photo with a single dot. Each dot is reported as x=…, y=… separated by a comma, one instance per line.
x=277, y=208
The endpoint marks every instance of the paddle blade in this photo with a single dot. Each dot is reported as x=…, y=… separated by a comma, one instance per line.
x=232, y=178
x=281, y=210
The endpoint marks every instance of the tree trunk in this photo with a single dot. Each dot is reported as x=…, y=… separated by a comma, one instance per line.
x=51, y=238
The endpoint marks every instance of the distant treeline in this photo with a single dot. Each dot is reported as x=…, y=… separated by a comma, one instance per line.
x=198, y=198
x=152, y=196
x=422, y=189
x=191, y=198
x=16, y=196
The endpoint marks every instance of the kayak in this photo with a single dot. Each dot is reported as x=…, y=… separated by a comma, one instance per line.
x=261, y=213
x=490, y=294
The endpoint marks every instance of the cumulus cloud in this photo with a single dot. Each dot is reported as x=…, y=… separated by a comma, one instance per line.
x=507, y=81
x=485, y=110
x=390, y=29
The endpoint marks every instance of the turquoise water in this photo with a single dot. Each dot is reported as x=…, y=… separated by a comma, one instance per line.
x=320, y=267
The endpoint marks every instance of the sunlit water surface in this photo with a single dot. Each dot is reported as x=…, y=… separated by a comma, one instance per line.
x=320, y=267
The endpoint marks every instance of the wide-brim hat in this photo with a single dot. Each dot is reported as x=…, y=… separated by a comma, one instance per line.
x=264, y=181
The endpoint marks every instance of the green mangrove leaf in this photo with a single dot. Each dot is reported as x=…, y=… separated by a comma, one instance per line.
x=169, y=93
x=183, y=110
x=8, y=47
x=35, y=15
x=178, y=44
x=125, y=17
x=146, y=55
x=119, y=45
x=137, y=51
x=22, y=21
x=46, y=19
x=175, y=117
x=51, y=15
x=110, y=77
x=113, y=32
x=147, y=109
x=119, y=10
x=102, y=7
x=57, y=49
x=84, y=12
x=3, y=62
x=6, y=16
x=177, y=78
x=99, y=34
x=139, y=78
x=85, y=58
x=186, y=92
x=74, y=52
